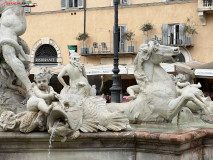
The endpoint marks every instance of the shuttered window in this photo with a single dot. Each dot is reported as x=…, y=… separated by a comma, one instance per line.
x=63, y=4
x=27, y=9
x=80, y=3
x=173, y=34
x=122, y=2
x=165, y=34
x=72, y=4
x=122, y=42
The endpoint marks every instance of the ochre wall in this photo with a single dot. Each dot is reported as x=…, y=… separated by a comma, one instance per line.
x=46, y=5
x=105, y=3
x=63, y=27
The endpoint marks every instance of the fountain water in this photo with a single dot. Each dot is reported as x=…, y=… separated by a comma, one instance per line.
x=51, y=137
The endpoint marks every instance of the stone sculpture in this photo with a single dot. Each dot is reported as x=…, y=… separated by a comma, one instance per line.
x=77, y=76
x=157, y=99
x=66, y=113
x=182, y=81
x=14, y=55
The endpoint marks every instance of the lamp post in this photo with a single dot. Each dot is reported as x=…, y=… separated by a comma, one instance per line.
x=116, y=87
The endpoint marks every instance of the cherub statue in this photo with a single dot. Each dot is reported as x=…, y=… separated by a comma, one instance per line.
x=77, y=76
x=42, y=95
x=181, y=82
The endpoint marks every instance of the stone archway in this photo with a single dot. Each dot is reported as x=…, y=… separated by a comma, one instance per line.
x=187, y=55
x=46, y=41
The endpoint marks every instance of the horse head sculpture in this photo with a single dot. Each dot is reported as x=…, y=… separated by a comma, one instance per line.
x=157, y=98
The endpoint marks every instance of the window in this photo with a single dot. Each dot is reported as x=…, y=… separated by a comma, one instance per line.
x=173, y=34
x=122, y=42
x=72, y=48
x=27, y=9
x=122, y=2
x=72, y=4
x=207, y=3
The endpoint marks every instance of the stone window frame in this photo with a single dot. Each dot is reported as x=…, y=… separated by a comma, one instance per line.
x=47, y=40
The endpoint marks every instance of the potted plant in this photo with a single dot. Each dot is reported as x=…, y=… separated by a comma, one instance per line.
x=189, y=30
x=146, y=28
x=83, y=37
x=129, y=37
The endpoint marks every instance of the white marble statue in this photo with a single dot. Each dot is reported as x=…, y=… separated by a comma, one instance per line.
x=67, y=114
x=156, y=98
x=181, y=81
x=13, y=25
x=14, y=58
x=77, y=76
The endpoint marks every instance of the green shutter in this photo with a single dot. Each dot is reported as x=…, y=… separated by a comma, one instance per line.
x=71, y=47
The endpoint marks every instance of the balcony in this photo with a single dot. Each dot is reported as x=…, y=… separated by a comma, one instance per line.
x=184, y=42
x=204, y=6
x=175, y=34
x=106, y=48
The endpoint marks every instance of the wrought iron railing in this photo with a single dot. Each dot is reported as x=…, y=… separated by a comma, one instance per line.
x=207, y=3
x=107, y=48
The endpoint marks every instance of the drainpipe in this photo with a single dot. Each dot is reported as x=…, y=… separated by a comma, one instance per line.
x=84, y=20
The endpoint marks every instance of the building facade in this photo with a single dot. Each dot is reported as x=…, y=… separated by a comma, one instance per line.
x=57, y=24
x=52, y=28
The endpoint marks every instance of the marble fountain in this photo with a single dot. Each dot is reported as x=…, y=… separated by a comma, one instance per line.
x=167, y=119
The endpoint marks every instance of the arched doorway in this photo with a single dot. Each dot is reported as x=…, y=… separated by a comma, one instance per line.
x=184, y=56
x=45, y=54
x=46, y=51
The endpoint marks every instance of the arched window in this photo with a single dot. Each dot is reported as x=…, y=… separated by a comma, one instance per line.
x=179, y=58
x=45, y=54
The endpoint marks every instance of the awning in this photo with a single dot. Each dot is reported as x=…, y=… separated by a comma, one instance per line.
x=127, y=69
x=196, y=69
x=204, y=72
x=53, y=68
x=102, y=69
x=187, y=68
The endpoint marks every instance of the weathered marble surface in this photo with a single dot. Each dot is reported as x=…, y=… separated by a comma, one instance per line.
x=183, y=144
x=156, y=98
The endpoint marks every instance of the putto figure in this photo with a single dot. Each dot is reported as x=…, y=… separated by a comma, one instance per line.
x=42, y=95
x=66, y=114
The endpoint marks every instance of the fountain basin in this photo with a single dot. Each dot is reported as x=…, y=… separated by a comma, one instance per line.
x=182, y=144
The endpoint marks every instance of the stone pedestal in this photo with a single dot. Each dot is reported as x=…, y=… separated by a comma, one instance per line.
x=186, y=144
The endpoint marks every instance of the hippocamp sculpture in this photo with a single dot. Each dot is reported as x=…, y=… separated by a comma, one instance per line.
x=157, y=99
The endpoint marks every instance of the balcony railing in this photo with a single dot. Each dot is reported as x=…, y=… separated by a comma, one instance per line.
x=206, y=3
x=186, y=41
x=104, y=48
x=203, y=7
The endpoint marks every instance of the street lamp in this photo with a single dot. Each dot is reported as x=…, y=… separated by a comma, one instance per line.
x=116, y=87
